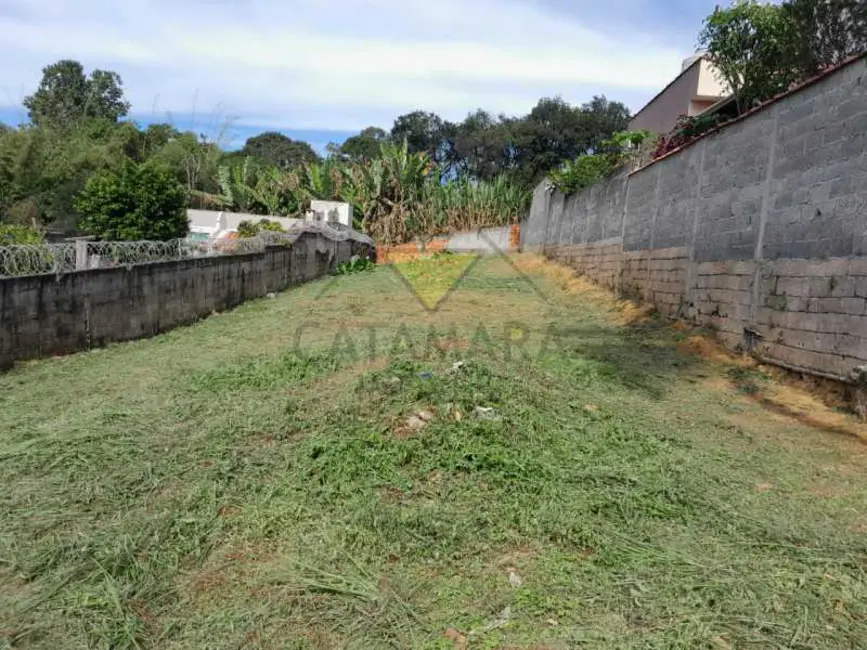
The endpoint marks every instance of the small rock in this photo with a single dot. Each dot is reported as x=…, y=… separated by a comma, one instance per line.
x=457, y=366
x=552, y=622
x=502, y=621
x=427, y=416
x=515, y=579
x=272, y=295
x=415, y=423
x=394, y=381
x=486, y=413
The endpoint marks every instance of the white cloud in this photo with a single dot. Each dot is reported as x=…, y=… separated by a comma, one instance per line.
x=326, y=64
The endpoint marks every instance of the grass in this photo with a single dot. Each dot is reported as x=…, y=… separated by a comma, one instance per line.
x=314, y=471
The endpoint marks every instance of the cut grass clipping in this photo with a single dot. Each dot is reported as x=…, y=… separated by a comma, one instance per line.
x=217, y=487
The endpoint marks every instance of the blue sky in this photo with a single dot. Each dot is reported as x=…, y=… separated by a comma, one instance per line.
x=321, y=70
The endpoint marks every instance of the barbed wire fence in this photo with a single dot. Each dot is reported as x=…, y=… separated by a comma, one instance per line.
x=81, y=255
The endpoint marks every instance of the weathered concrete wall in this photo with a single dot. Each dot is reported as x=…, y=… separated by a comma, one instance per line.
x=44, y=315
x=486, y=240
x=758, y=230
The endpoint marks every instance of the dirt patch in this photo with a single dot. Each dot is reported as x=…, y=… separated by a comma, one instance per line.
x=626, y=312
x=810, y=411
x=812, y=401
x=713, y=351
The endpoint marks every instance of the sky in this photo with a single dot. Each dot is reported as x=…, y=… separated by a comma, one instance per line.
x=321, y=70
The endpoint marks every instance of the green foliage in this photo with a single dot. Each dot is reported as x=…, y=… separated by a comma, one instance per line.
x=361, y=148
x=826, y=31
x=213, y=489
x=133, y=202
x=66, y=96
x=251, y=229
x=422, y=132
x=761, y=49
x=613, y=153
x=584, y=171
x=277, y=150
x=356, y=264
x=475, y=173
x=14, y=234
x=750, y=43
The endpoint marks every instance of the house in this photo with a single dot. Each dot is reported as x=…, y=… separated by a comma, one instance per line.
x=209, y=225
x=696, y=89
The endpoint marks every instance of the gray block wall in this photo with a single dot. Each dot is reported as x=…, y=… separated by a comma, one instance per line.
x=758, y=229
x=45, y=315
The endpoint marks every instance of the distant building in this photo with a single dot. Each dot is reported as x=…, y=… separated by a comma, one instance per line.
x=209, y=225
x=330, y=212
x=692, y=92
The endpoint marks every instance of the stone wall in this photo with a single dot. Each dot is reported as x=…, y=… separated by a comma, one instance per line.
x=758, y=230
x=43, y=315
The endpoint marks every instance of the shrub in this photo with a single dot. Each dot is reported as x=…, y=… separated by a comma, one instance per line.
x=134, y=202
x=356, y=264
x=11, y=234
x=685, y=131
x=584, y=171
x=251, y=228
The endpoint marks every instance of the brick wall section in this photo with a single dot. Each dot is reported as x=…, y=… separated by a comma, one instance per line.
x=45, y=315
x=758, y=230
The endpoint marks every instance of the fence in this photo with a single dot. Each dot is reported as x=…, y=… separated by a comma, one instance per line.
x=757, y=230
x=48, y=314
x=81, y=255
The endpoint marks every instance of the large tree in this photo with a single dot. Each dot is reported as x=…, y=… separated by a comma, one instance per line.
x=363, y=147
x=279, y=150
x=481, y=145
x=555, y=131
x=66, y=96
x=825, y=32
x=422, y=131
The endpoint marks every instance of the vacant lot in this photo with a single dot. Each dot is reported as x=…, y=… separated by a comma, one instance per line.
x=532, y=466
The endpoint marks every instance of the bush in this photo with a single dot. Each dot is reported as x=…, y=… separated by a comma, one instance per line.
x=134, y=202
x=11, y=234
x=584, y=171
x=685, y=131
x=251, y=229
x=356, y=264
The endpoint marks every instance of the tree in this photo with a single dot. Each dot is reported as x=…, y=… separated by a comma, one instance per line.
x=481, y=146
x=555, y=132
x=826, y=31
x=422, y=131
x=133, y=202
x=66, y=96
x=279, y=150
x=752, y=45
x=363, y=147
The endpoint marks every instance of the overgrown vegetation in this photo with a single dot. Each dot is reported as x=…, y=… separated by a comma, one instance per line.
x=475, y=173
x=217, y=487
x=614, y=154
x=253, y=228
x=11, y=234
x=134, y=202
x=356, y=264
x=761, y=49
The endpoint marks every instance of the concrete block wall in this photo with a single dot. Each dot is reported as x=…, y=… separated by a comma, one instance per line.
x=44, y=315
x=758, y=230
